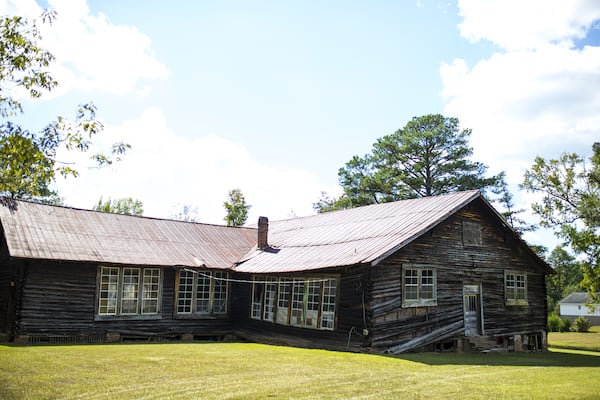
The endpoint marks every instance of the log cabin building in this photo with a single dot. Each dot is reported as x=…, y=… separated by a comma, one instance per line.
x=436, y=273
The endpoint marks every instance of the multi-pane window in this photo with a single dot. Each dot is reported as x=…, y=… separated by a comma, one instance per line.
x=129, y=291
x=297, y=312
x=202, y=293
x=303, y=302
x=270, y=298
x=283, y=301
x=419, y=286
x=328, y=304
x=515, y=288
x=150, y=291
x=258, y=289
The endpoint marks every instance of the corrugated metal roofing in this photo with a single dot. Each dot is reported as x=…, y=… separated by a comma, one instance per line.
x=348, y=237
x=39, y=231
x=364, y=235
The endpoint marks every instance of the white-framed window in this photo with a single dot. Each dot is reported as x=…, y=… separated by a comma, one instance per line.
x=258, y=290
x=202, y=293
x=270, y=299
x=297, y=310
x=328, y=304
x=515, y=288
x=419, y=286
x=301, y=302
x=283, y=301
x=128, y=291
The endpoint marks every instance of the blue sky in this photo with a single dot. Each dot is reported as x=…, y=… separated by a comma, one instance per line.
x=273, y=97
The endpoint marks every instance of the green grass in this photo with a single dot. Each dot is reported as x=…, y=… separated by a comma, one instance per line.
x=252, y=371
x=575, y=340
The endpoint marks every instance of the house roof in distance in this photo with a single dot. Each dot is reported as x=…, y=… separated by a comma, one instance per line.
x=355, y=236
x=37, y=231
x=576, y=298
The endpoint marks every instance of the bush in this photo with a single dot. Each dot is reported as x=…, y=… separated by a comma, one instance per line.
x=554, y=323
x=582, y=324
x=565, y=324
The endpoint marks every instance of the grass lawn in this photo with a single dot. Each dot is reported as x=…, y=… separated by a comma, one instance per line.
x=575, y=340
x=252, y=371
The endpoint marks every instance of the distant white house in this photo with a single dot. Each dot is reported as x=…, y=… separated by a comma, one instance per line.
x=575, y=305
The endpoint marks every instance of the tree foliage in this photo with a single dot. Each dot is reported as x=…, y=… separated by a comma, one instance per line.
x=567, y=279
x=570, y=205
x=125, y=205
x=29, y=161
x=428, y=157
x=236, y=208
x=187, y=213
x=510, y=214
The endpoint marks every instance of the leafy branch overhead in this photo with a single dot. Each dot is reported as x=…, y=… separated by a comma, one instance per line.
x=29, y=161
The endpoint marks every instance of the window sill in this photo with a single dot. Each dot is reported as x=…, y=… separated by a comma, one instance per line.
x=419, y=303
x=127, y=317
x=520, y=303
x=199, y=316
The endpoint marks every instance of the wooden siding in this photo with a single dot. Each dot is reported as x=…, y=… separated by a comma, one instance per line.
x=457, y=265
x=347, y=334
x=59, y=299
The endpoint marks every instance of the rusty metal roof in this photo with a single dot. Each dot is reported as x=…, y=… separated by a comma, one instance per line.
x=39, y=231
x=364, y=235
x=347, y=237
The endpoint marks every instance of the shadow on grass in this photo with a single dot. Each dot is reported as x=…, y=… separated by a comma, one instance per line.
x=553, y=358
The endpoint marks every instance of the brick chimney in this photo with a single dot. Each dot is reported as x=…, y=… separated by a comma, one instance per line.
x=263, y=233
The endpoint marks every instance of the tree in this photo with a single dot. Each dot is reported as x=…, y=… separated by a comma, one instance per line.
x=126, y=205
x=428, y=157
x=236, y=207
x=187, y=213
x=570, y=204
x=28, y=161
x=510, y=214
x=567, y=279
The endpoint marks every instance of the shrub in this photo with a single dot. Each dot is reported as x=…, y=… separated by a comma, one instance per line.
x=565, y=324
x=554, y=323
x=582, y=324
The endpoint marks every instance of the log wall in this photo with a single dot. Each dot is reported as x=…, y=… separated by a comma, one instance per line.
x=458, y=265
x=59, y=300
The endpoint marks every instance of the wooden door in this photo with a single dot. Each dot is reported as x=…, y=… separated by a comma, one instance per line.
x=472, y=310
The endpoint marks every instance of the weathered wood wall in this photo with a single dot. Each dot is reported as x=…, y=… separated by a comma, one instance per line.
x=350, y=315
x=59, y=299
x=456, y=266
x=8, y=276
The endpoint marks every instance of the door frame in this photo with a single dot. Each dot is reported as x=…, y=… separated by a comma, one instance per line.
x=469, y=290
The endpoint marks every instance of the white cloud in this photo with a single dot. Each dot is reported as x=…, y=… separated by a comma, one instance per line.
x=518, y=24
x=164, y=170
x=91, y=52
x=538, y=95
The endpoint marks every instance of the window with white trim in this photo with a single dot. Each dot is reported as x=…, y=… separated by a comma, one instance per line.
x=127, y=291
x=515, y=288
x=202, y=293
x=301, y=302
x=283, y=301
x=419, y=286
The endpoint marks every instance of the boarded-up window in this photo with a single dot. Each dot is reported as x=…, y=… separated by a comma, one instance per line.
x=471, y=233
